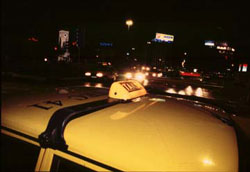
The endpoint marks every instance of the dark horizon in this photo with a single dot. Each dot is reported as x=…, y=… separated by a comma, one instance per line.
x=190, y=22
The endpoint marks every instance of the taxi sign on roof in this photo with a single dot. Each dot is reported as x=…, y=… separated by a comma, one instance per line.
x=126, y=90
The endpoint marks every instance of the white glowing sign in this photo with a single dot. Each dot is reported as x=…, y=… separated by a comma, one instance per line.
x=243, y=67
x=221, y=48
x=209, y=43
x=164, y=37
x=63, y=37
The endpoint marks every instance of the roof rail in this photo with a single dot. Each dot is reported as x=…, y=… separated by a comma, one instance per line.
x=53, y=136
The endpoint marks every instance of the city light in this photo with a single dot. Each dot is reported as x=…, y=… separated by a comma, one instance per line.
x=199, y=92
x=171, y=91
x=189, y=90
x=99, y=74
x=209, y=43
x=221, y=48
x=129, y=23
x=128, y=75
x=159, y=75
x=87, y=73
x=181, y=92
x=164, y=37
x=139, y=76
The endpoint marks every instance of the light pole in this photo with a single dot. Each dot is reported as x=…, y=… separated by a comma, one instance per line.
x=129, y=22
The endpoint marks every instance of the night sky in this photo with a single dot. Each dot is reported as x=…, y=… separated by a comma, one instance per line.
x=191, y=22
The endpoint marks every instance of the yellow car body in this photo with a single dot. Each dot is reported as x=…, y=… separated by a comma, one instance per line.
x=132, y=132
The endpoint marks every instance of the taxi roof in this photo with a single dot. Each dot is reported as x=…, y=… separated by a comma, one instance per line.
x=143, y=134
x=153, y=135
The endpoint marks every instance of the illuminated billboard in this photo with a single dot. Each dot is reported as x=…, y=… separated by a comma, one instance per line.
x=243, y=67
x=164, y=37
x=63, y=37
x=210, y=43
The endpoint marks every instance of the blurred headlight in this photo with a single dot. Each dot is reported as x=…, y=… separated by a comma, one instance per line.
x=128, y=75
x=154, y=74
x=87, y=73
x=159, y=75
x=99, y=74
x=139, y=76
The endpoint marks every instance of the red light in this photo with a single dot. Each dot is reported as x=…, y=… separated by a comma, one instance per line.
x=190, y=74
x=73, y=43
x=55, y=48
x=33, y=39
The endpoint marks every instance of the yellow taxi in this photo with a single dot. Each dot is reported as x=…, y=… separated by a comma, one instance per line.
x=126, y=130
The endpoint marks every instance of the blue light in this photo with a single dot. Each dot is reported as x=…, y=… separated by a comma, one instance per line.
x=105, y=44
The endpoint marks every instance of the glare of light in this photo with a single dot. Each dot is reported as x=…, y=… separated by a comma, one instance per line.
x=171, y=90
x=195, y=70
x=160, y=60
x=147, y=68
x=221, y=48
x=145, y=83
x=97, y=56
x=209, y=44
x=127, y=54
x=157, y=100
x=139, y=76
x=233, y=49
x=244, y=68
x=159, y=75
x=189, y=90
x=99, y=74
x=182, y=63
x=185, y=53
x=148, y=42
x=87, y=73
x=45, y=59
x=207, y=162
x=87, y=85
x=232, y=65
x=154, y=67
x=135, y=59
x=199, y=92
x=133, y=49
x=154, y=74
x=143, y=68
x=128, y=75
x=129, y=22
x=146, y=73
x=240, y=67
x=181, y=92
x=99, y=85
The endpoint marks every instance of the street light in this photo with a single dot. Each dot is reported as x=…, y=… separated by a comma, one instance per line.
x=129, y=22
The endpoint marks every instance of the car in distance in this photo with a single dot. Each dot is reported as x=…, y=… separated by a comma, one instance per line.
x=126, y=130
x=100, y=73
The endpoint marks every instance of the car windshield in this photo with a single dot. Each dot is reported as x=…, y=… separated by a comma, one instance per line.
x=185, y=49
